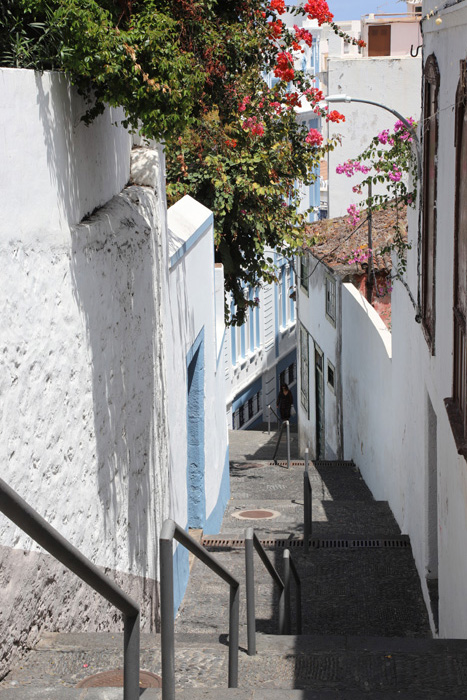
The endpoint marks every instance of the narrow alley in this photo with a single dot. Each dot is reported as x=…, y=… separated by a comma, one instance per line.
x=365, y=625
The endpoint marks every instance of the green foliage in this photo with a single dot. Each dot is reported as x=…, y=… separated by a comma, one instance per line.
x=190, y=73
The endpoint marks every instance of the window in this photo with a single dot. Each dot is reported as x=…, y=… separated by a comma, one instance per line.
x=304, y=373
x=379, y=40
x=288, y=375
x=331, y=299
x=247, y=412
x=457, y=406
x=304, y=271
x=430, y=157
x=331, y=375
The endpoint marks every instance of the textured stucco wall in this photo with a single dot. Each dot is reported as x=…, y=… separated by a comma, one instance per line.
x=83, y=418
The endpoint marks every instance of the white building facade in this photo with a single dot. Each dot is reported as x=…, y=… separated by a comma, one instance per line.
x=96, y=348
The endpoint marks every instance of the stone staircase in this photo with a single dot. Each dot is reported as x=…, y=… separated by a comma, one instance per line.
x=366, y=629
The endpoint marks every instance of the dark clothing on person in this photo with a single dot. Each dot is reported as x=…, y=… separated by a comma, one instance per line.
x=284, y=403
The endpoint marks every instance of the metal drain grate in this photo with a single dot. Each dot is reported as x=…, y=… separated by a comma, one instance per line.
x=333, y=463
x=400, y=542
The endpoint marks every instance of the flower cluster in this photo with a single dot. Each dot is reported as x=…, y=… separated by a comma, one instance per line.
x=335, y=116
x=350, y=167
x=360, y=254
x=275, y=29
x=354, y=215
x=293, y=100
x=401, y=130
x=243, y=104
x=252, y=125
x=277, y=6
x=318, y=9
x=395, y=174
x=231, y=143
x=284, y=68
x=314, y=137
x=303, y=35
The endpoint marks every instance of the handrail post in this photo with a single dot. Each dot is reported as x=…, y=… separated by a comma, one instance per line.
x=131, y=657
x=269, y=419
x=307, y=505
x=288, y=443
x=167, y=619
x=234, y=618
x=287, y=591
x=250, y=592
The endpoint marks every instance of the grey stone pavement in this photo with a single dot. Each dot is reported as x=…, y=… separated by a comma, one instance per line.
x=365, y=625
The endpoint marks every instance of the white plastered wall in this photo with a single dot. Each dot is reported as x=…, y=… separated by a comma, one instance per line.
x=421, y=377
x=193, y=300
x=83, y=423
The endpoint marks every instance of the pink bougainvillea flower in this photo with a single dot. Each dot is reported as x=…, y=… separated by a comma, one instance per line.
x=314, y=137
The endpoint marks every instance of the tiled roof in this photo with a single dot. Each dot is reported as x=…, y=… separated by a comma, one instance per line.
x=336, y=239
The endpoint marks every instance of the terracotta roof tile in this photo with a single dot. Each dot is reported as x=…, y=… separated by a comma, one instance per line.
x=336, y=239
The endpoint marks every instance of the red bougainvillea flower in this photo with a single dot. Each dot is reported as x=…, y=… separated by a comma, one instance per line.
x=284, y=69
x=314, y=138
x=231, y=143
x=278, y=6
x=319, y=9
x=275, y=29
x=303, y=35
x=293, y=99
x=335, y=116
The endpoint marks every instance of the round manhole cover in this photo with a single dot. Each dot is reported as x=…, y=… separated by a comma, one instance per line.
x=114, y=679
x=259, y=514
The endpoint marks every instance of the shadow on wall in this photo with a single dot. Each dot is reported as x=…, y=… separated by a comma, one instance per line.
x=85, y=163
x=115, y=271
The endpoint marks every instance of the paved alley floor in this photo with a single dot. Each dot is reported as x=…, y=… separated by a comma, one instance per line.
x=365, y=626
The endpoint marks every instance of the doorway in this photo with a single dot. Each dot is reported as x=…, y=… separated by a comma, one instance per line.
x=319, y=402
x=196, y=495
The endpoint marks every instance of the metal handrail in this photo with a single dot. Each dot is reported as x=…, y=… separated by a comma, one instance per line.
x=289, y=566
x=252, y=541
x=285, y=424
x=279, y=420
x=307, y=505
x=171, y=531
x=29, y=520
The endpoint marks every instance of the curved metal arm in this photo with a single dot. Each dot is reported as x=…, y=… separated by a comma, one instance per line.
x=170, y=532
x=29, y=520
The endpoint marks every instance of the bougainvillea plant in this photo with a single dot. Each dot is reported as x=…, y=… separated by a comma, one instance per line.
x=192, y=73
x=388, y=160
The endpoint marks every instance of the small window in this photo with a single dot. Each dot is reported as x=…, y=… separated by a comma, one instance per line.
x=304, y=271
x=241, y=416
x=331, y=375
x=331, y=299
x=291, y=373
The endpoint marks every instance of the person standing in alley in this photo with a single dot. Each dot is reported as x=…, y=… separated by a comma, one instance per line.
x=284, y=402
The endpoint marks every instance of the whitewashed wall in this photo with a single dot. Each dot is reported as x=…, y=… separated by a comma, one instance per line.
x=55, y=170
x=83, y=420
x=367, y=390
x=394, y=82
x=327, y=336
x=194, y=309
x=425, y=447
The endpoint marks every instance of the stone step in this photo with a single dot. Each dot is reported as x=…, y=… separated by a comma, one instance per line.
x=306, y=667
x=373, y=590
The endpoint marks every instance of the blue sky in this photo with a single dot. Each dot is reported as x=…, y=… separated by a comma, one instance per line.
x=354, y=9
